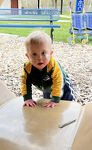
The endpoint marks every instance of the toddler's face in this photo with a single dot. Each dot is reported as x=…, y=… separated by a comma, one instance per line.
x=39, y=55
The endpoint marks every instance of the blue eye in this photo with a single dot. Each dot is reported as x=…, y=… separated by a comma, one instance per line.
x=34, y=54
x=43, y=53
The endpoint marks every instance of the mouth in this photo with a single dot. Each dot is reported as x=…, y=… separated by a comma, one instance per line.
x=40, y=64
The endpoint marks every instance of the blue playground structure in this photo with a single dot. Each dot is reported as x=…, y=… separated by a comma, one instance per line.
x=88, y=16
x=79, y=5
x=81, y=24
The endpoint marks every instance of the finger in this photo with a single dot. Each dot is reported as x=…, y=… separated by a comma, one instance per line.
x=35, y=102
x=45, y=104
x=27, y=104
x=31, y=105
x=49, y=105
x=24, y=105
x=53, y=105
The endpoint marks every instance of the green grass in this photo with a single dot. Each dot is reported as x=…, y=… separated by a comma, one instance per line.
x=64, y=18
x=66, y=13
x=60, y=34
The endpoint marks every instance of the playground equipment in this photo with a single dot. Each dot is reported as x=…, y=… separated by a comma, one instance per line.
x=78, y=29
x=81, y=24
x=79, y=5
x=88, y=16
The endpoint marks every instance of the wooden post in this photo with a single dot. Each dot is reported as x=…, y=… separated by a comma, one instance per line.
x=14, y=3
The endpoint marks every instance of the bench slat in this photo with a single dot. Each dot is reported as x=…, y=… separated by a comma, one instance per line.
x=29, y=14
x=15, y=19
x=29, y=26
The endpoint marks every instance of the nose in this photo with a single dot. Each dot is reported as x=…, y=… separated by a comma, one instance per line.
x=39, y=57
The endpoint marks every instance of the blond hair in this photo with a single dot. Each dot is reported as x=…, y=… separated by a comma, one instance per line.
x=37, y=37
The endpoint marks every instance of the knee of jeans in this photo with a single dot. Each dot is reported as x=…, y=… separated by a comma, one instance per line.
x=46, y=95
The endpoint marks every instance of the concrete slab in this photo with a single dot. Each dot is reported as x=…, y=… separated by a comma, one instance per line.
x=5, y=93
x=83, y=139
x=26, y=128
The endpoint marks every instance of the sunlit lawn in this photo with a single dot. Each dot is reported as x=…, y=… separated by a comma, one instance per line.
x=60, y=34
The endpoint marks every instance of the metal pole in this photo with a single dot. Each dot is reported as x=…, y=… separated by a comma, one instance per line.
x=61, y=6
x=55, y=4
x=38, y=4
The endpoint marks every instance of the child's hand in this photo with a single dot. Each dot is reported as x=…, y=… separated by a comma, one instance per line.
x=30, y=103
x=50, y=104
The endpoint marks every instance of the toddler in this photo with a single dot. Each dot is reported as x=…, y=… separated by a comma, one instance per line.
x=44, y=72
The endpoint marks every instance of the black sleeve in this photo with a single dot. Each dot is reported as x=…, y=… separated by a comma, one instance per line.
x=29, y=88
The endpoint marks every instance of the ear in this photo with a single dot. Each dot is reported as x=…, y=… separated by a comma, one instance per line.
x=51, y=53
x=27, y=55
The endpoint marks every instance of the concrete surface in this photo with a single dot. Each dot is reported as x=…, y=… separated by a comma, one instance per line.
x=26, y=128
x=83, y=139
x=5, y=94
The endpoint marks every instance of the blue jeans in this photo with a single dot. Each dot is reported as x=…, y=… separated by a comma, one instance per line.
x=68, y=91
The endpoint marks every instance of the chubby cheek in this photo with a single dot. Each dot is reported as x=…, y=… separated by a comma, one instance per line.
x=32, y=60
x=46, y=60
